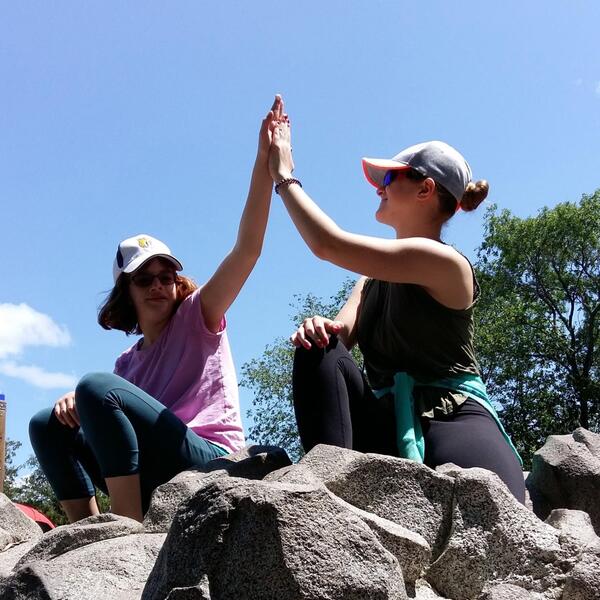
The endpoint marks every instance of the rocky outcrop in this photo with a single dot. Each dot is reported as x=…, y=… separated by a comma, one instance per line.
x=114, y=568
x=252, y=462
x=566, y=474
x=337, y=525
x=257, y=540
x=15, y=526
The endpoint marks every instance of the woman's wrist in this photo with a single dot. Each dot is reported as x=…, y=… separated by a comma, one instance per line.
x=285, y=182
x=281, y=175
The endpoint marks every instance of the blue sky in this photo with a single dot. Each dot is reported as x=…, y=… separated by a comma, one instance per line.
x=126, y=118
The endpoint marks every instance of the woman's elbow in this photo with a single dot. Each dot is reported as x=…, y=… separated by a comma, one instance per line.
x=324, y=248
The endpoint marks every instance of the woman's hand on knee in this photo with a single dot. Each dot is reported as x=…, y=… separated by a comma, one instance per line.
x=316, y=329
x=66, y=411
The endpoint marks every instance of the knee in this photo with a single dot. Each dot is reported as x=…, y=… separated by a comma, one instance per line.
x=39, y=425
x=92, y=389
x=317, y=355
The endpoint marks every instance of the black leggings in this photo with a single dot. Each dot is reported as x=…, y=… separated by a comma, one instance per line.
x=335, y=405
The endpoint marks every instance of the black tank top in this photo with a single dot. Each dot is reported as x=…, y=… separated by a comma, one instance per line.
x=402, y=328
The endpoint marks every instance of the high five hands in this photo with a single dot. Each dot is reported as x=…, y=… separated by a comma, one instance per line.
x=281, y=164
x=313, y=330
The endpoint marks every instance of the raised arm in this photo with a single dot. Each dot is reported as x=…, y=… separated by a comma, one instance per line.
x=223, y=287
x=442, y=271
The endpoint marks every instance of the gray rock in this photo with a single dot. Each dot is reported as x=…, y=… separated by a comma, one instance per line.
x=566, y=474
x=16, y=526
x=405, y=492
x=496, y=540
x=411, y=549
x=506, y=591
x=256, y=539
x=583, y=582
x=422, y=590
x=252, y=462
x=116, y=568
x=299, y=473
x=11, y=555
x=167, y=497
x=198, y=592
x=87, y=531
x=576, y=524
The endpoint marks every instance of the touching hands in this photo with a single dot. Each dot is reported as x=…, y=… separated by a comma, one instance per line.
x=66, y=411
x=265, y=136
x=316, y=329
x=281, y=163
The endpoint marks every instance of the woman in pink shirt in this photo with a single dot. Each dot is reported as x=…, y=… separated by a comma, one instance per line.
x=172, y=401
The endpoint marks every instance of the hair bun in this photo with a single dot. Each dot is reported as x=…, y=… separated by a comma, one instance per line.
x=474, y=195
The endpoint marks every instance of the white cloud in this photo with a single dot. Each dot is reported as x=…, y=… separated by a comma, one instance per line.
x=22, y=326
x=37, y=376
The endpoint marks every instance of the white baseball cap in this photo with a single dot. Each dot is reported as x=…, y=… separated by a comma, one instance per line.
x=443, y=163
x=133, y=252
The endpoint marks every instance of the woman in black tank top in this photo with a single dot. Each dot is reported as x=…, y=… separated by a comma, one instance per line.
x=410, y=313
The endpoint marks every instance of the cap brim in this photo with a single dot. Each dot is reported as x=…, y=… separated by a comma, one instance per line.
x=134, y=265
x=376, y=168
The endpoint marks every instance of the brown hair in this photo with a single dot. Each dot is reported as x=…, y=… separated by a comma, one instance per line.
x=474, y=195
x=118, y=311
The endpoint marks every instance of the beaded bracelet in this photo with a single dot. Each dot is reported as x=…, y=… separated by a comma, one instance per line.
x=287, y=181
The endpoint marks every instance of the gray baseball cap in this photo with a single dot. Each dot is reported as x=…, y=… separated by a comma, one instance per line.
x=443, y=163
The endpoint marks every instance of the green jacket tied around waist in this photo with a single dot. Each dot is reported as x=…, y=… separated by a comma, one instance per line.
x=409, y=434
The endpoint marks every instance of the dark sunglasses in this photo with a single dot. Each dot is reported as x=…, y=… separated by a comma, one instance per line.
x=145, y=280
x=390, y=176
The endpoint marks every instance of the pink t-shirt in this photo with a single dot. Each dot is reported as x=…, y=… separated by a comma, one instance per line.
x=190, y=370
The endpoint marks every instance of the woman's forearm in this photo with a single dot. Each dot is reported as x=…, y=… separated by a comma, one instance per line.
x=253, y=222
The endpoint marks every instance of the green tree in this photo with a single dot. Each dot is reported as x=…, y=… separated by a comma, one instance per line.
x=538, y=320
x=270, y=376
x=11, y=470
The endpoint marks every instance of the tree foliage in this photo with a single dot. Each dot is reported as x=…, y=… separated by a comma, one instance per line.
x=11, y=470
x=538, y=321
x=270, y=376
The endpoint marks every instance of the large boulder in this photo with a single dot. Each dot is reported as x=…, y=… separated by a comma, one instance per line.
x=15, y=526
x=10, y=556
x=259, y=540
x=251, y=462
x=399, y=490
x=167, y=497
x=495, y=540
x=566, y=474
x=114, y=568
x=87, y=531
x=576, y=525
x=410, y=549
x=583, y=582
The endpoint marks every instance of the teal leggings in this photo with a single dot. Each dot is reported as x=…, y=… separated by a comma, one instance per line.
x=123, y=431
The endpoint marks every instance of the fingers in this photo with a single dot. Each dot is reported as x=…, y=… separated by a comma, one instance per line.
x=65, y=411
x=295, y=339
x=277, y=108
x=276, y=103
x=317, y=330
x=72, y=410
